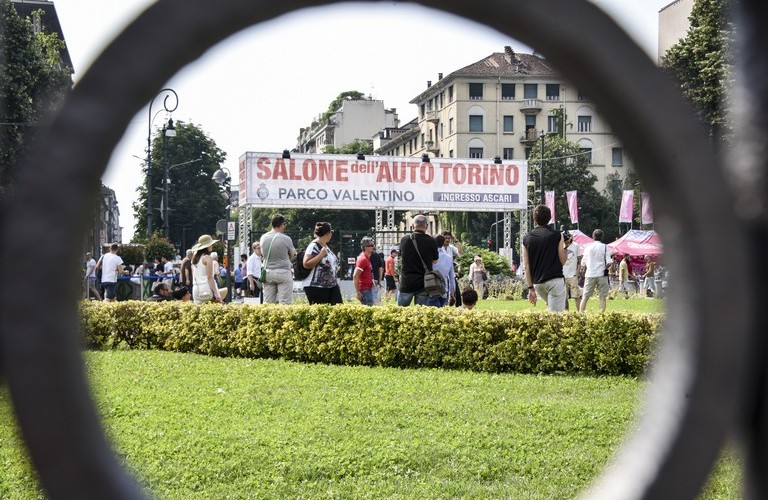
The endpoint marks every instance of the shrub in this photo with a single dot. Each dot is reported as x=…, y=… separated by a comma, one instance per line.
x=413, y=337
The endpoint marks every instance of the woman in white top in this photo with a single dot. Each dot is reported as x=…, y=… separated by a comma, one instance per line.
x=321, y=286
x=204, y=288
x=478, y=275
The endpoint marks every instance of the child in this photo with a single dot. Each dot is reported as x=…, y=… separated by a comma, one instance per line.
x=468, y=299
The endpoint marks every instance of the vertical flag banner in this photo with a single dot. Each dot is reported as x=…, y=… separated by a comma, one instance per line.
x=646, y=214
x=549, y=200
x=573, y=206
x=625, y=211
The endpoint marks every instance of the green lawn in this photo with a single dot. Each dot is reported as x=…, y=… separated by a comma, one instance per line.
x=197, y=427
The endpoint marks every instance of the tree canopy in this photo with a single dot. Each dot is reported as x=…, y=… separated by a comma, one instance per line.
x=700, y=62
x=33, y=82
x=195, y=200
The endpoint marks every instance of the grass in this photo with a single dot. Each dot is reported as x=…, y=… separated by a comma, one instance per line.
x=196, y=427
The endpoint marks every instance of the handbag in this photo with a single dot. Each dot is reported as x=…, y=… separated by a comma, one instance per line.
x=434, y=281
x=263, y=273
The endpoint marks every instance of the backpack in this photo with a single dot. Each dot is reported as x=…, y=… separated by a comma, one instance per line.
x=299, y=271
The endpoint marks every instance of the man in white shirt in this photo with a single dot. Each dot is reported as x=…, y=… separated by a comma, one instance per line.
x=571, y=272
x=444, y=264
x=253, y=270
x=597, y=257
x=278, y=249
x=111, y=268
x=89, y=282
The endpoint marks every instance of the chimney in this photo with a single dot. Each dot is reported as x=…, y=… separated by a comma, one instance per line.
x=439, y=76
x=429, y=83
x=509, y=54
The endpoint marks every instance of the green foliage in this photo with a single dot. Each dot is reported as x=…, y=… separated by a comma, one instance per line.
x=354, y=147
x=416, y=337
x=701, y=63
x=132, y=254
x=158, y=247
x=495, y=264
x=335, y=104
x=566, y=169
x=33, y=82
x=195, y=200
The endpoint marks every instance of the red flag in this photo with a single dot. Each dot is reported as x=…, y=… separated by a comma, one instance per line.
x=626, y=210
x=646, y=215
x=573, y=206
x=549, y=200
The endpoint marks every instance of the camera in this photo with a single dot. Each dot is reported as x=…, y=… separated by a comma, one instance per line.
x=566, y=235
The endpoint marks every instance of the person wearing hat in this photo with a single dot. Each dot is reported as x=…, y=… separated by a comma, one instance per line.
x=204, y=288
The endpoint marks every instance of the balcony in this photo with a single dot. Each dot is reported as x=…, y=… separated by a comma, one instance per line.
x=530, y=106
x=432, y=116
x=431, y=147
x=530, y=136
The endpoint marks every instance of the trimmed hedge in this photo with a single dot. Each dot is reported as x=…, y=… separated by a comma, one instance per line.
x=412, y=337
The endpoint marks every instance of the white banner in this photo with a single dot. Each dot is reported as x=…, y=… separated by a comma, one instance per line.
x=549, y=200
x=343, y=181
x=573, y=206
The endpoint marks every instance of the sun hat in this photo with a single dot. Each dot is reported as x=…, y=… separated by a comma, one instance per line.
x=203, y=242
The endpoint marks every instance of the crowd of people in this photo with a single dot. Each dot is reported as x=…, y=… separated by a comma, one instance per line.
x=555, y=272
x=268, y=273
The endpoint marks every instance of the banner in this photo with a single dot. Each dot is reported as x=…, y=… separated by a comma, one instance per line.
x=646, y=215
x=573, y=206
x=376, y=182
x=549, y=200
x=626, y=209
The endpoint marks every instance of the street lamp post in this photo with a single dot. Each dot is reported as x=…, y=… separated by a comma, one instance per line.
x=541, y=168
x=168, y=131
x=169, y=92
x=166, y=187
x=223, y=177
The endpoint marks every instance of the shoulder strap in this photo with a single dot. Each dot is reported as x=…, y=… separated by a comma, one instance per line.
x=266, y=259
x=413, y=239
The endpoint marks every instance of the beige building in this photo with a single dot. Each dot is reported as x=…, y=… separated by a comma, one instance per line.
x=673, y=24
x=355, y=119
x=499, y=106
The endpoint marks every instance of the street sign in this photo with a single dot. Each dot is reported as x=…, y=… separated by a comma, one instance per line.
x=231, y=226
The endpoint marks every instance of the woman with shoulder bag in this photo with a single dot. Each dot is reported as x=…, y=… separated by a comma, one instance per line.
x=204, y=288
x=321, y=286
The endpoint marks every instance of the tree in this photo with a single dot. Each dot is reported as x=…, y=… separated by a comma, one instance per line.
x=195, y=200
x=354, y=147
x=33, y=82
x=335, y=104
x=700, y=62
x=566, y=168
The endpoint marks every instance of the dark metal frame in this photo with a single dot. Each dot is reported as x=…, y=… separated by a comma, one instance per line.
x=709, y=378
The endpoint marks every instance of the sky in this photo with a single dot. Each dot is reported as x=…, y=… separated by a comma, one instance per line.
x=240, y=94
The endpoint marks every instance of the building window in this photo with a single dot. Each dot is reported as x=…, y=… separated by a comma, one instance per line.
x=429, y=105
x=509, y=153
x=509, y=123
x=441, y=129
x=475, y=152
x=617, y=157
x=528, y=152
x=450, y=153
x=450, y=93
x=587, y=153
x=475, y=90
x=423, y=113
x=552, y=124
x=530, y=122
x=475, y=123
x=530, y=91
x=585, y=123
x=442, y=95
x=450, y=125
x=422, y=140
x=508, y=91
x=553, y=91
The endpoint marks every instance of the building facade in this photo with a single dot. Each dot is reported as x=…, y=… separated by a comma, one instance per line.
x=499, y=107
x=673, y=24
x=356, y=119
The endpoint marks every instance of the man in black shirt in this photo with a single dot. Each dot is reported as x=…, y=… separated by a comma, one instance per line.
x=544, y=256
x=411, y=268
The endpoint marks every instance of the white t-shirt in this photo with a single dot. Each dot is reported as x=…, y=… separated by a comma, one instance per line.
x=90, y=268
x=571, y=264
x=253, y=265
x=168, y=268
x=109, y=263
x=596, y=257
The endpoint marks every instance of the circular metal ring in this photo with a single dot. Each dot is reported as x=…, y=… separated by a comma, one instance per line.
x=686, y=416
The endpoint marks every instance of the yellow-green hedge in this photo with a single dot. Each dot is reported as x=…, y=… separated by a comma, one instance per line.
x=412, y=337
